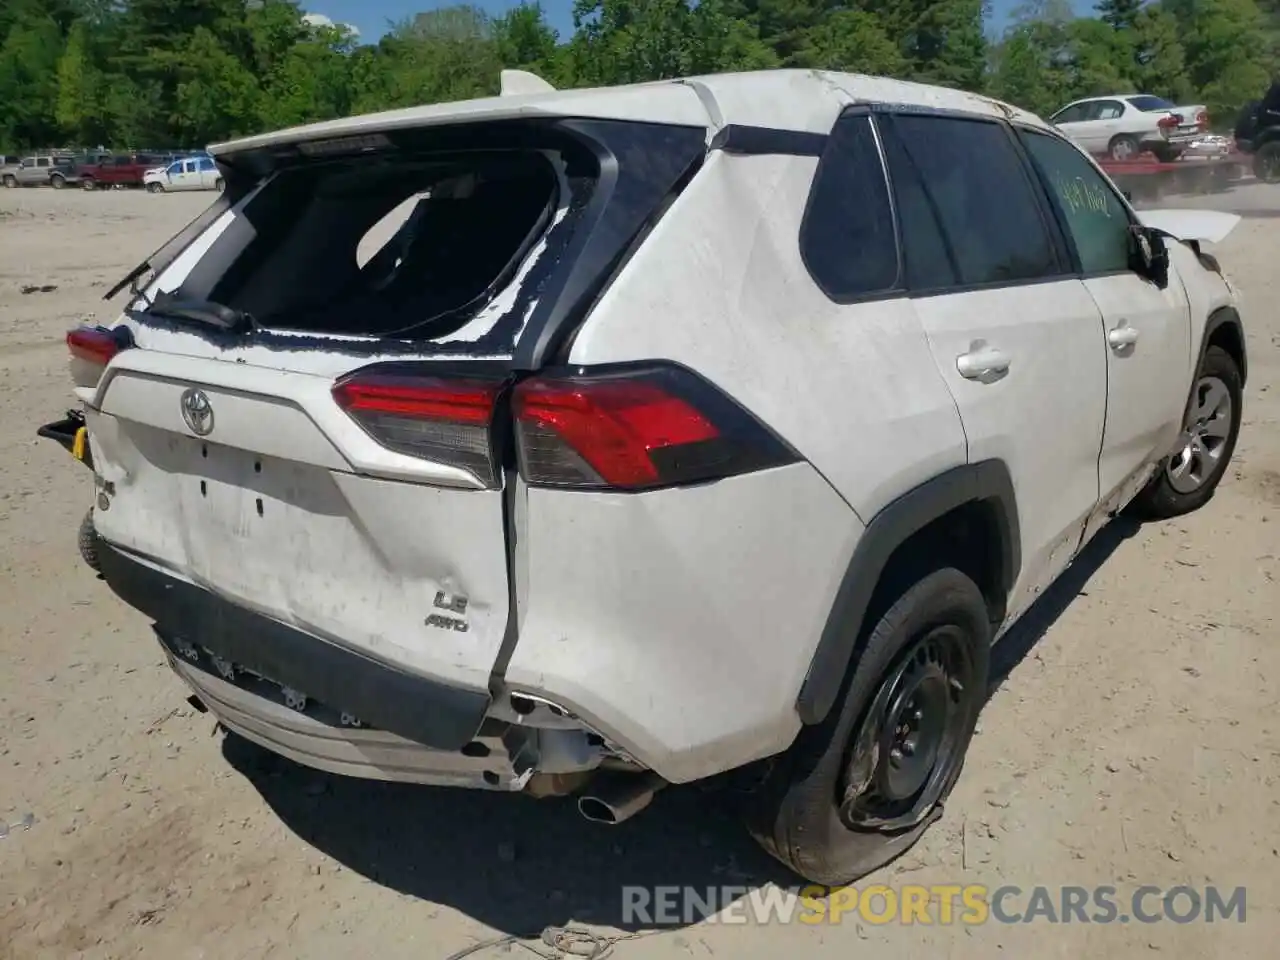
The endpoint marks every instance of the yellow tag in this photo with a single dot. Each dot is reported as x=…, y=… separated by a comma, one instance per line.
x=77, y=448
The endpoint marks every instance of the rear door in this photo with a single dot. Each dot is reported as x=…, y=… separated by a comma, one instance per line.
x=1148, y=329
x=1015, y=335
x=1109, y=121
x=208, y=173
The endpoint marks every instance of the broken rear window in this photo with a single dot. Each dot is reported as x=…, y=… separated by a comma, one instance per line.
x=388, y=246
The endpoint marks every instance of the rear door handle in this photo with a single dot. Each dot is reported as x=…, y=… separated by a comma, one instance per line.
x=1122, y=335
x=981, y=361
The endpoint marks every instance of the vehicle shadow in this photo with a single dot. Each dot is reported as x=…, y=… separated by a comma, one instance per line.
x=1022, y=637
x=512, y=862
x=520, y=865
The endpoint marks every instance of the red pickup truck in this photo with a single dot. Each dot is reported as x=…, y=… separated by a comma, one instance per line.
x=125, y=170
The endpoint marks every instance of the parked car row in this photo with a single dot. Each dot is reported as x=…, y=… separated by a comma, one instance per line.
x=158, y=173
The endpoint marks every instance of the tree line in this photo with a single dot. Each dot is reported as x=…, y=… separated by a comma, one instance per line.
x=184, y=73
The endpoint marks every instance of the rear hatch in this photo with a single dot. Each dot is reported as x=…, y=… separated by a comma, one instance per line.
x=302, y=408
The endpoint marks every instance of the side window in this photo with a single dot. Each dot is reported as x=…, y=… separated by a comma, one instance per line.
x=927, y=261
x=847, y=238
x=1092, y=213
x=1072, y=114
x=42, y=162
x=174, y=168
x=206, y=164
x=985, y=205
x=1110, y=110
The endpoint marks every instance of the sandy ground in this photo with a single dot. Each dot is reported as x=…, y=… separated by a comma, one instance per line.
x=1133, y=741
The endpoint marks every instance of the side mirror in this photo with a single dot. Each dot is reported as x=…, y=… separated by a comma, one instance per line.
x=1150, y=256
x=1128, y=197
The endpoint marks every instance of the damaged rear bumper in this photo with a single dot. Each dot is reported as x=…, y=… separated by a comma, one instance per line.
x=333, y=709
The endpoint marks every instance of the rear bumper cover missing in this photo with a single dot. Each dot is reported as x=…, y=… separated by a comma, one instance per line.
x=425, y=711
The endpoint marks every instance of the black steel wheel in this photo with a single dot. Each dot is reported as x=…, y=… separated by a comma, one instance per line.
x=911, y=742
x=860, y=788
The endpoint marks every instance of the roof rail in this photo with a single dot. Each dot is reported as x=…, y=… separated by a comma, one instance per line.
x=513, y=83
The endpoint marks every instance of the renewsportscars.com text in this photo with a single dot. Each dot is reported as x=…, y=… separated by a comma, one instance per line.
x=937, y=904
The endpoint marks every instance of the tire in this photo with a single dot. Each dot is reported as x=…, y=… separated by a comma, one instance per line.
x=1266, y=162
x=797, y=813
x=1123, y=147
x=89, y=542
x=11, y=182
x=1166, y=153
x=155, y=188
x=1188, y=478
x=219, y=185
x=88, y=184
x=57, y=183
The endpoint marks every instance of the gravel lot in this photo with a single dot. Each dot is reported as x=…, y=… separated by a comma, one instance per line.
x=1133, y=741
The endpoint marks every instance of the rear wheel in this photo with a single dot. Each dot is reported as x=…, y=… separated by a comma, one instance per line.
x=1266, y=162
x=219, y=185
x=1190, y=475
x=57, y=182
x=860, y=788
x=88, y=184
x=89, y=541
x=1123, y=147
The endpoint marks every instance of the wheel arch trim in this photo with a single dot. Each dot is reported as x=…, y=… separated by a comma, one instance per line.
x=1223, y=317
x=985, y=481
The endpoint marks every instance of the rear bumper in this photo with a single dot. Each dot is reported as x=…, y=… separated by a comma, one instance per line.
x=413, y=707
x=326, y=743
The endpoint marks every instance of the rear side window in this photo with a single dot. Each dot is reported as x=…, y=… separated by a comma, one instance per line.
x=978, y=191
x=847, y=239
x=1151, y=104
x=1092, y=213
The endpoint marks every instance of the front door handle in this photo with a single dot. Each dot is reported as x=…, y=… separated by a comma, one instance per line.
x=981, y=361
x=1122, y=335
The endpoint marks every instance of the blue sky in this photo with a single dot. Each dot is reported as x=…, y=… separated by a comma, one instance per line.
x=370, y=17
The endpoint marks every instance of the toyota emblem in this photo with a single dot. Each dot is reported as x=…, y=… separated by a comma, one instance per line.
x=197, y=411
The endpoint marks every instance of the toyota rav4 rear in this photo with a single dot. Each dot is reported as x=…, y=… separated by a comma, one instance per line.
x=383, y=528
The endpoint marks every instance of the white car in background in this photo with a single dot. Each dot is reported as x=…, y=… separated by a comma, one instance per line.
x=1123, y=125
x=188, y=173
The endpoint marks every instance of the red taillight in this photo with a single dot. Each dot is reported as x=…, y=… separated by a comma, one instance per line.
x=1202, y=120
x=96, y=345
x=635, y=430
x=440, y=419
x=1170, y=121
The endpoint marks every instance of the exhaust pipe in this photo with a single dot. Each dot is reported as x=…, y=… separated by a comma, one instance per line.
x=613, y=798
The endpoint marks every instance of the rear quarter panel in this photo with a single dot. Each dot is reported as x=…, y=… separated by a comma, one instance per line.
x=682, y=622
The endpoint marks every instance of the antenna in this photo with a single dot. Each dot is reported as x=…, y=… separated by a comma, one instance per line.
x=513, y=83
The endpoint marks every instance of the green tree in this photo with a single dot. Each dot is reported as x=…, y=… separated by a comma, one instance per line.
x=29, y=56
x=80, y=88
x=1119, y=14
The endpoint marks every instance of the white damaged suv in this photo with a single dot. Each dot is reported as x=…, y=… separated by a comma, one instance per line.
x=590, y=441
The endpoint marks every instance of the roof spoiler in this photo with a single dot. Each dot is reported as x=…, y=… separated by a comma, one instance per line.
x=514, y=83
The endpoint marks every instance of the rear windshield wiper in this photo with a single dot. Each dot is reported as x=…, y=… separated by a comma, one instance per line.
x=205, y=312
